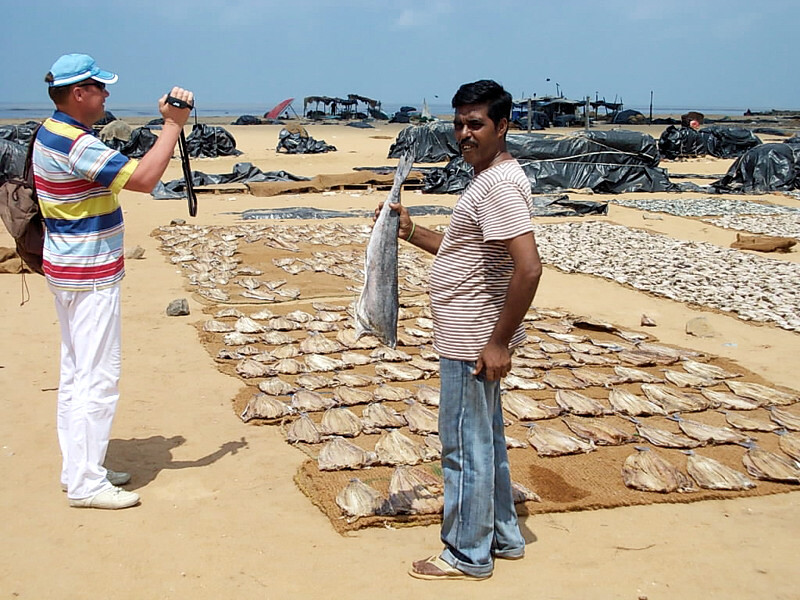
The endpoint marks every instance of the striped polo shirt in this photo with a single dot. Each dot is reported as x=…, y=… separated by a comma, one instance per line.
x=472, y=269
x=77, y=181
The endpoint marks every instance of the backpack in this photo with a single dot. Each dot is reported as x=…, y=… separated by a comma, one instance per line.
x=20, y=212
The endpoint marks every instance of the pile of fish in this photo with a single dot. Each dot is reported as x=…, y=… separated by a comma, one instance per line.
x=783, y=225
x=705, y=207
x=748, y=286
x=577, y=385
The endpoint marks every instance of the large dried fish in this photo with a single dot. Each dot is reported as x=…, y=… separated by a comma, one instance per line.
x=591, y=377
x=229, y=312
x=317, y=363
x=763, y=464
x=282, y=324
x=647, y=471
x=520, y=493
x=593, y=359
x=636, y=358
x=673, y=400
x=263, y=406
x=289, y=366
x=340, y=421
x=317, y=343
x=664, y=438
x=392, y=392
x=421, y=419
x=664, y=354
x=377, y=416
x=308, y=401
x=551, y=442
x=357, y=499
x=553, y=348
x=249, y=368
x=526, y=408
x=760, y=393
x=353, y=359
x=630, y=375
x=235, y=338
x=300, y=316
x=338, y=454
x=248, y=325
x=729, y=401
x=706, y=370
x=312, y=381
x=276, y=338
x=285, y=351
x=303, y=430
x=348, y=396
x=790, y=444
x=578, y=404
x=214, y=326
x=395, y=448
x=588, y=348
x=748, y=423
x=347, y=337
x=428, y=366
x=398, y=372
x=713, y=475
x=568, y=338
x=708, y=434
x=784, y=418
x=428, y=395
x=387, y=354
x=377, y=307
x=689, y=380
x=412, y=491
x=630, y=404
x=512, y=382
x=563, y=382
x=354, y=379
x=275, y=386
x=599, y=431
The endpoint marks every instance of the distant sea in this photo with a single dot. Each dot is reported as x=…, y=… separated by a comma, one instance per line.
x=26, y=112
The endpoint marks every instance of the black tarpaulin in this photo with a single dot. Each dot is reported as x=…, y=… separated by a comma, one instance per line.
x=18, y=133
x=140, y=142
x=715, y=140
x=296, y=143
x=208, y=141
x=12, y=160
x=765, y=168
x=241, y=173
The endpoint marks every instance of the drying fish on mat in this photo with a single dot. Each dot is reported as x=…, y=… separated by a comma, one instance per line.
x=248, y=350
x=528, y=352
x=395, y=448
x=587, y=348
x=303, y=430
x=391, y=392
x=612, y=346
x=428, y=354
x=411, y=341
x=289, y=293
x=214, y=326
x=591, y=377
x=790, y=444
x=763, y=464
x=377, y=307
x=673, y=400
x=784, y=418
x=263, y=406
x=289, y=366
x=311, y=381
x=249, y=368
x=631, y=375
x=248, y=325
x=340, y=421
x=421, y=419
x=665, y=354
x=260, y=295
x=317, y=363
x=636, y=358
x=317, y=343
x=563, y=382
x=354, y=379
x=708, y=434
x=512, y=382
x=234, y=338
x=348, y=396
x=250, y=283
x=228, y=354
x=338, y=454
x=285, y=351
x=424, y=323
x=568, y=338
x=593, y=359
x=264, y=314
x=353, y=359
x=664, y=438
x=377, y=416
x=520, y=493
x=385, y=353
x=321, y=326
x=553, y=348
x=347, y=338
x=275, y=386
x=416, y=332
x=689, y=380
x=512, y=442
x=300, y=316
x=282, y=324
x=328, y=316
x=761, y=393
x=215, y=294
x=549, y=327
x=711, y=474
x=229, y=312
x=599, y=431
x=414, y=491
x=428, y=366
x=729, y=401
x=398, y=372
x=277, y=338
x=428, y=395
x=308, y=401
x=526, y=408
x=706, y=370
x=357, y=499
x=647, y=471
x=748, y=423
x=579, y=404
x=525, y=372
x=551, y=442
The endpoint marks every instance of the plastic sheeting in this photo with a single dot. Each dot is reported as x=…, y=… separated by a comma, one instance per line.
x=208, y=141
x=242, y=173
x=432, y=142
x=295, y=143
x=140, y=142
x=765, y=168
x=715, y=140
x=18, y=133
x=12, y=159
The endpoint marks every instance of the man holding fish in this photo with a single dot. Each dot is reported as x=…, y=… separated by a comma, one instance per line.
x=482, y=282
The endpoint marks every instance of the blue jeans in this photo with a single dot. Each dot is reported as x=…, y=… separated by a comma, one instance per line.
x=479, y=520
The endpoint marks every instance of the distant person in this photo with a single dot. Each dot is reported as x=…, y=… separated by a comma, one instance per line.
x=78, y=179
x=692, y=119
x=482, y=282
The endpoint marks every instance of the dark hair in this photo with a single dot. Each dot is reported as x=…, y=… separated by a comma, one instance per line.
x=57, y=94
x=488, y=92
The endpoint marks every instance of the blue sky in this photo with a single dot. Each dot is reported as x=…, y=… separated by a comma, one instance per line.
x=700, y=53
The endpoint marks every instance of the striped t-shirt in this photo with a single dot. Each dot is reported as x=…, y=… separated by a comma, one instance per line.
x=472, y=269
x=77, y=181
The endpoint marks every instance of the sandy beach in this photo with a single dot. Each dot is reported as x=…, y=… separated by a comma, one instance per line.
x=221, y=516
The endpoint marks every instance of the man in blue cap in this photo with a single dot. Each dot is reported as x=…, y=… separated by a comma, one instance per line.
x=78, y=179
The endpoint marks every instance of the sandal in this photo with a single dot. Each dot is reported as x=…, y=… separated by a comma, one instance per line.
x=434, y=567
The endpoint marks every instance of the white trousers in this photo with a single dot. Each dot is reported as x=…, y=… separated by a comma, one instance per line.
x=88, y=389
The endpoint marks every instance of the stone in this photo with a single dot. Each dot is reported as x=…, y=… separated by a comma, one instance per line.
x=178, y=308
x=699, y=327
x=647, y=321
x=136, y=253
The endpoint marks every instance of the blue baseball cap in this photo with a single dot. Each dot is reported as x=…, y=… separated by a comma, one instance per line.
x=73, y=68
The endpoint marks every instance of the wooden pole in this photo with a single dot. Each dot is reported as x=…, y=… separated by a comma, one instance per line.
x=530, y=115
x=586, y=112
x=651, y=107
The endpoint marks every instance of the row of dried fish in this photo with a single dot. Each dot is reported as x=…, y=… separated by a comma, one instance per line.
x=752, y=287
x=705, y=207
x=784, y=225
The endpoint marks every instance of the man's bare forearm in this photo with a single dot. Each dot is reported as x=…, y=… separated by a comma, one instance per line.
x=424, y=238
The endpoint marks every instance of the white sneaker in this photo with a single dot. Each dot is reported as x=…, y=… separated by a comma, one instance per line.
x=114, y=478
x=112, y=499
